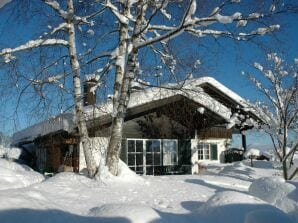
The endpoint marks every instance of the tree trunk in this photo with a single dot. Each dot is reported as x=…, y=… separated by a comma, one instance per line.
x=285, y=169
x=122, y=100
x=81, y=122
x=114, y=146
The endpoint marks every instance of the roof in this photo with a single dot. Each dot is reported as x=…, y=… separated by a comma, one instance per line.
x=194, y=90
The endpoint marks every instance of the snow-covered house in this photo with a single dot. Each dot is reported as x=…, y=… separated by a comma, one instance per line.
x=167, y=130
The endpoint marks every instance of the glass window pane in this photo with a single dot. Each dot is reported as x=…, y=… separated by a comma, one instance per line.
x=156, y=159
x=148, y=159
x=139, y=159
x=174, y=158
x=149, y=146
x=156, y=146
x=169, y=146
x=132, y=168
x=149, y=170
x=139, y=170
x=139, y=146
x=167, y=159
x=131, y=159
x=130, y=145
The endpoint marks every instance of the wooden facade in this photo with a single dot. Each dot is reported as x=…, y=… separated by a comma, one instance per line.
x=57, y=152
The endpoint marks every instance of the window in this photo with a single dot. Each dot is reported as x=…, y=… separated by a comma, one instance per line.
x=153, y=152
x=207, y=151
x=170, y=152
x=148, y=156
x=135, y=155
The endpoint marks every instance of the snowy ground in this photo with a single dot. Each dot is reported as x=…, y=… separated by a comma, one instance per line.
x=224, y=193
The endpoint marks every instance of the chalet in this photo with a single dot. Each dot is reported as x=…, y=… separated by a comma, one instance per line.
x=167, y=130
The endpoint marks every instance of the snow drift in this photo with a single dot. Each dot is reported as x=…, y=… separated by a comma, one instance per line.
x=233, y=207
x=277, y=192
x=14, y=175
x=135, y=213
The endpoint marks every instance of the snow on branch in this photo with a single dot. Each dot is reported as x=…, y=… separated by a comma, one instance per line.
x=191, y=11
x=56, y=6
x=60, y=27
x=49, y=80
x=199, y=26
x=120, y=17
x=7, y=52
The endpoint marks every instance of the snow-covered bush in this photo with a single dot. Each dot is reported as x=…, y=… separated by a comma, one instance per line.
x=10, y=153
x=233, y=207
x=255, y=153
x=277, y=192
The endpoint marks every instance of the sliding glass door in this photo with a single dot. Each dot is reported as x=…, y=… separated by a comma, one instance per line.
x=151, y=156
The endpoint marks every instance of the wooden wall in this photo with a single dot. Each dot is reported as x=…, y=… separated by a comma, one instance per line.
x=215, y=133
x=54, y=151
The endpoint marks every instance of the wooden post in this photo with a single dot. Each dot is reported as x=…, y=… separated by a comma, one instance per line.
x=243, y=141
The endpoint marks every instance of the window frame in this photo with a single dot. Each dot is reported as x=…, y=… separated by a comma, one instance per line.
x=204, y=151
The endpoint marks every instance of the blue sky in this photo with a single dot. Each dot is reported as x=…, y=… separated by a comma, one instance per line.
x=222, y=59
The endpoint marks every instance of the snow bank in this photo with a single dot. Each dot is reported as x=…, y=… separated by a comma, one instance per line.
x=124, y=175
x=270, y=189
x=267, y=216
x=14, y=175
x=134, y=213
x=278, y=193
x=232, y=207
x=11, y=153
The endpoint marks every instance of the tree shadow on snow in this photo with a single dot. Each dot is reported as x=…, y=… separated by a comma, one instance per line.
x=245, y=175
x=229, y=213
x=211, y=186
x=25, y=215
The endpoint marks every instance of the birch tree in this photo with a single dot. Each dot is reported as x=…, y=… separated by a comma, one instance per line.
x=280, y=109
x=150, y=24
x=139, y=28
x=69, y=21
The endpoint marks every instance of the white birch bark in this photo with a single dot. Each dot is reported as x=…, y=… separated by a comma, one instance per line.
x=122, y=89
x=117, y=116
x=81, y=122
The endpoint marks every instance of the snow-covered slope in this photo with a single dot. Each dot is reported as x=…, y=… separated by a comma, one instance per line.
x=221, y=193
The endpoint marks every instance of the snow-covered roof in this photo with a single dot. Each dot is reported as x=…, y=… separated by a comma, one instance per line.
x=191, y=89
x=61, y=122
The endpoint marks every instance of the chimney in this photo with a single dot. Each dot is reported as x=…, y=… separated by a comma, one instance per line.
x=90, y=85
